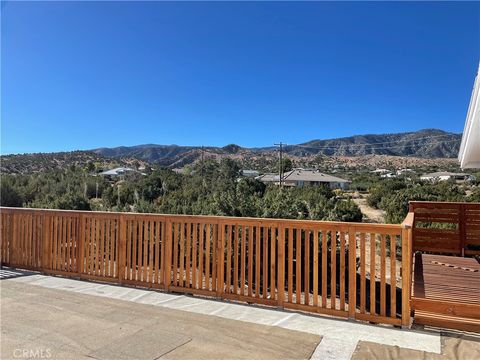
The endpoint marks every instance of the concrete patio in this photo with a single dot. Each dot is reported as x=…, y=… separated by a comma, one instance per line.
x=65, y=318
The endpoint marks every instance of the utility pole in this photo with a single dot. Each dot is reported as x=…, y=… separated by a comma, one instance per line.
x=280, y=167
x=201, y=160
x=203, y=179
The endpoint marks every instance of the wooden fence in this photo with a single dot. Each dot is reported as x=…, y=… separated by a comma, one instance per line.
x=446, y=227
x=351, y=270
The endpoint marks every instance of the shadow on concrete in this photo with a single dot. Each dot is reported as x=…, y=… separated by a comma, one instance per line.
x=8, y=273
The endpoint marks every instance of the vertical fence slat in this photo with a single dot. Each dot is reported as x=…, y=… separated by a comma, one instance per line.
x=90, y=229
x=129, y=242
x=307, y=267
x=265, y=261
x=406, y=273
x=281, y=265
x=69, y=245
x=290, y=265
x=207, y=257
x=188, y=258
x=250, y=261
x=135, y=248
x=194, y=256
x=333, y=270
x=315, y=267
x=228, y=288
x=235, y=259
x=257, y=262
x=168, y=239
x=243, y=260
x=113, y=240
x=298, y=270
x=372, y=273
x=121, y=248
x=383, y=289
x=143, y=250
x=175, y=242
x=220, y=258
x=393, y=276
x=151, y=242
x=214, y=232
x=201, y=255
x=103, y=235
x=182, y=254
x=324, y=267
x=363, y=277
x=352, y=272
x=342, y=270
x=273, y=257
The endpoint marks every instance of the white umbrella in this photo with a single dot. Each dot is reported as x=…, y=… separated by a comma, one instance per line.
x=469, y=155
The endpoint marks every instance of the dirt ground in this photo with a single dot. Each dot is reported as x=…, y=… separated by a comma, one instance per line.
x=371, y=215
x=455, y=346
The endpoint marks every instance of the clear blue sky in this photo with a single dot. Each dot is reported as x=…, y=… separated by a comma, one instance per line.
x=81, y=75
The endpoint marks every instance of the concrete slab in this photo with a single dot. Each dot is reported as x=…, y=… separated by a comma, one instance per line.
x=340, y=336
x=63, y=324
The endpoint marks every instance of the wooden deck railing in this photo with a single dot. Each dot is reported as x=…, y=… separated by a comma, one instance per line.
x=446, y=227
x=351, y=270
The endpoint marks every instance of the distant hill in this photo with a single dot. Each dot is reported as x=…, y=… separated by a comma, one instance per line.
x=428, y=143
x=424, y=147
x=35, y=163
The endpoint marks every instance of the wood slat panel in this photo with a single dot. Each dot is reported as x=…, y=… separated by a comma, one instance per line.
x=268, y=256
x=333, y=270
x=372, y=273
x=243, y=260
x=250, y=261
x=257, y=262
x=315, y=268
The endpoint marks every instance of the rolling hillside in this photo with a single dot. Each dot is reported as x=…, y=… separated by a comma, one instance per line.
x=428, y=143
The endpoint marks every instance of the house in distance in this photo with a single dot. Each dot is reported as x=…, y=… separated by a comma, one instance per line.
x=445, y=175
x=119, y=172
x=305, y=177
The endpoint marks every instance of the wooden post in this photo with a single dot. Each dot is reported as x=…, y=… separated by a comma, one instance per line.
x=406, y=276
x=352, y=272
x=15, y=246
x=461, y=228
x=220, y=259
x=46, y=241
x=122, y=248
x=167, y=265
x=81, y=244
x=281, y=265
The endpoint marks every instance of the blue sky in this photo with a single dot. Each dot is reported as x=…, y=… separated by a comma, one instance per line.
x=81, y=75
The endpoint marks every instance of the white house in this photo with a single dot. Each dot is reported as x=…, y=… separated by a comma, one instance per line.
x=119, y=171
x=445, y=175
x=268, y=178
x=250, y=173
x=380, y=171
x=305, y=177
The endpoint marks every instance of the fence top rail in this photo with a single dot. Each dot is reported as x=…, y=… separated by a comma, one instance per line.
x=442, y=203
x=409, y=220
x=212, y=219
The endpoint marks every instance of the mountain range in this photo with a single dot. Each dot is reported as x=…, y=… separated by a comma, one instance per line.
x=429, y=147
x=427, y=143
